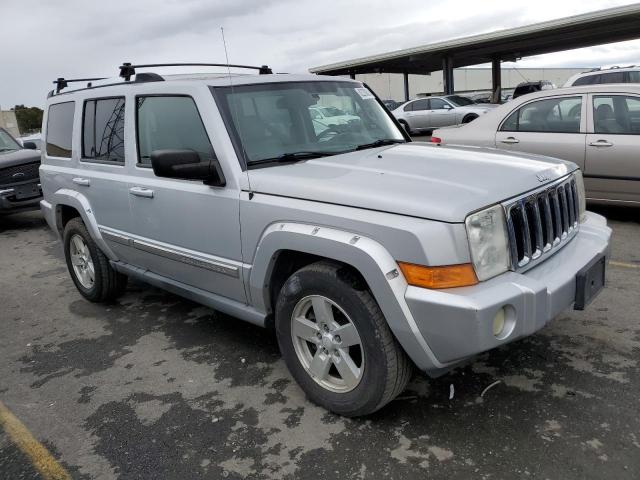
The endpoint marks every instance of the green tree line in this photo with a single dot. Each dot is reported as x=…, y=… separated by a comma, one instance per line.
x=29, y=118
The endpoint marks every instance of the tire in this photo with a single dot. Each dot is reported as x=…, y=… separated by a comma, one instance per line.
x=107, y=283
x=406, y=126
x=384, y=369
x=469, y=118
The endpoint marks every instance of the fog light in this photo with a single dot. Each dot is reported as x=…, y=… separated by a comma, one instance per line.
x=499, y=322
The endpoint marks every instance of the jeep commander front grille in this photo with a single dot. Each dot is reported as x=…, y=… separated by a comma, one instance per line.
x=19, y=173
x=541, y=222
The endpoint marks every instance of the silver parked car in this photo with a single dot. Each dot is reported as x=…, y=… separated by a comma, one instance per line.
x=367, y=253
x=425, y=114
x=597, y=127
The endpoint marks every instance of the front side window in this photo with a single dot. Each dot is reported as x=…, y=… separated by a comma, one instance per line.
x=438, y=104
x=103, y=130
x=617, y=114
x=274, y=121
x=60, y=129
x=7, y=143
x=170, y=123
x=460, y=101
x=553, y=115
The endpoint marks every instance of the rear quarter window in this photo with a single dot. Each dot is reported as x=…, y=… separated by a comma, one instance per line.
x=60, y=129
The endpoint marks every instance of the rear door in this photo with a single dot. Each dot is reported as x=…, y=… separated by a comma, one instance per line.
x=553, y=126
x=612, y=169
x=183, y=229
x=418, y=114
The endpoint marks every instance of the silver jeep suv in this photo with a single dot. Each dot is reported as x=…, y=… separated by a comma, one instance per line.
x=369, y=254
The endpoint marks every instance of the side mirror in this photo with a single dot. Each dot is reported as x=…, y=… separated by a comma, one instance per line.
x=448, y=107
x=30, y=145
x=187, y=165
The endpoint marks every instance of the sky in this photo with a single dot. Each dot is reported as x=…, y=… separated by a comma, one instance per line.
x=43, y=39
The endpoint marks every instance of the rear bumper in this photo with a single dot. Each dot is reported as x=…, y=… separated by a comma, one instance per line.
x=10, y=204
x=457, y=323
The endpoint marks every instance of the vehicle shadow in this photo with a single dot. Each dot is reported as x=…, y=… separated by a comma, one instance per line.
x=23, y=221
x=619, y=214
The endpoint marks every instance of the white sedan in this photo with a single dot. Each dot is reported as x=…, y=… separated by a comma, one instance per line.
x=595, y=126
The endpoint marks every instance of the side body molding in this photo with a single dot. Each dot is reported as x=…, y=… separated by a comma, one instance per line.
x=78, y=201
x=370, y=258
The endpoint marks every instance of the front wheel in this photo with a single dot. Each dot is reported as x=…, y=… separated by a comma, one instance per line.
x=469, y=118
x=336, y=342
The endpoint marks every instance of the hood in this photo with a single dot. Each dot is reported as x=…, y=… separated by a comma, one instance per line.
x=18, y=157
x=416, y=179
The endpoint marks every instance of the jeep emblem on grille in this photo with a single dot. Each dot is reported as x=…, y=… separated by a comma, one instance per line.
x=542, y=177
x=18, y=176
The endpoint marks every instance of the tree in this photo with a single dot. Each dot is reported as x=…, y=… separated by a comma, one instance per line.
x=29, y=118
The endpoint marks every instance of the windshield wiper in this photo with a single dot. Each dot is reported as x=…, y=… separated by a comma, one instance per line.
x=293, y=157
x=380, y=143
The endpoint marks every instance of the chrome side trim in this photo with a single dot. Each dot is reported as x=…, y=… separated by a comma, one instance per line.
x=171, y=254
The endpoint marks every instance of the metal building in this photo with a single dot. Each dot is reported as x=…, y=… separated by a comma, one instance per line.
x=594, y=28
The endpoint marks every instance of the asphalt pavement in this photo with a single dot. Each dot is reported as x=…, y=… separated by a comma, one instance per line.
x=154, y=386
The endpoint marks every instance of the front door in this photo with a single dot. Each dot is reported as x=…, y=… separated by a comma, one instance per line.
x=554, y=126
x=612, y=169
x=441, y=114
x=184, y=230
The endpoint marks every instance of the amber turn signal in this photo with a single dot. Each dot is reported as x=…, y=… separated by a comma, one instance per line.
x=447, y=276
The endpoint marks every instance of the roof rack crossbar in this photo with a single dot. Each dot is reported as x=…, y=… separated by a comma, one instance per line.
x=127, y=70
x=64, y=82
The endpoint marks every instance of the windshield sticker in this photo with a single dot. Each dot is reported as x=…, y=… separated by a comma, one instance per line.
x=364, y=93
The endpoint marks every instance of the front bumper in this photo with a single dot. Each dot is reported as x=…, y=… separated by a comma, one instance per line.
x=457, y=323
x=10, y=204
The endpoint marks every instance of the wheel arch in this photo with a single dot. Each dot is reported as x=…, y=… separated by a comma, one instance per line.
x=68, y=204
x=286, y=247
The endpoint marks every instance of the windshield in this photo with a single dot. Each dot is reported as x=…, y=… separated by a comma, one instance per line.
x=7, y=143
x=279, y=120
x=460, y=101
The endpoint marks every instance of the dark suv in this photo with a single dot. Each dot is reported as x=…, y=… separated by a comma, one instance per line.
x=19, y=178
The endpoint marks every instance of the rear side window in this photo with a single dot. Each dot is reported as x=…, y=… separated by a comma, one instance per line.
x=60, y=129
x=170, y=122
x=615, y=77
x=634, y=77
x=553, y=115
x=103, y=130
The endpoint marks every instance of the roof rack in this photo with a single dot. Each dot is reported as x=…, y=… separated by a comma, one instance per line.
x=64, y=82
x=127, y=70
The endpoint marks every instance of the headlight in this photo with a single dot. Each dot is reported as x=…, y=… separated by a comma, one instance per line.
x=487, y=233
x=582, y=197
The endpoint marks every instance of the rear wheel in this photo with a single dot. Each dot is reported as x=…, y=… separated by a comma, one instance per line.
x=89, y=268
x=336, y=342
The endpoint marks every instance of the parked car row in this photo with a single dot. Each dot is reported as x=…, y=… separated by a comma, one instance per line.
x=596, y=126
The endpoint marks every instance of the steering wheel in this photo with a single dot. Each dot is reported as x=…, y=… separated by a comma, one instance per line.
x=331, y=130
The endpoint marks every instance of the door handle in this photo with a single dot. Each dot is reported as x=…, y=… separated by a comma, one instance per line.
x=510, y=140
x=81, y=181
x=141, y=192
x=601, y=143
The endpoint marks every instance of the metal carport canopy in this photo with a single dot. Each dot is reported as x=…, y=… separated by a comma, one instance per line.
x=585, y=30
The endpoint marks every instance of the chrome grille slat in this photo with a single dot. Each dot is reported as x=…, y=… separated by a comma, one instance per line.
x=541, y=222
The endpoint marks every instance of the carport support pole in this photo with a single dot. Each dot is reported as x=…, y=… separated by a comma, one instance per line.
x=447, y=75
x=405, y=77
x=496, y=80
